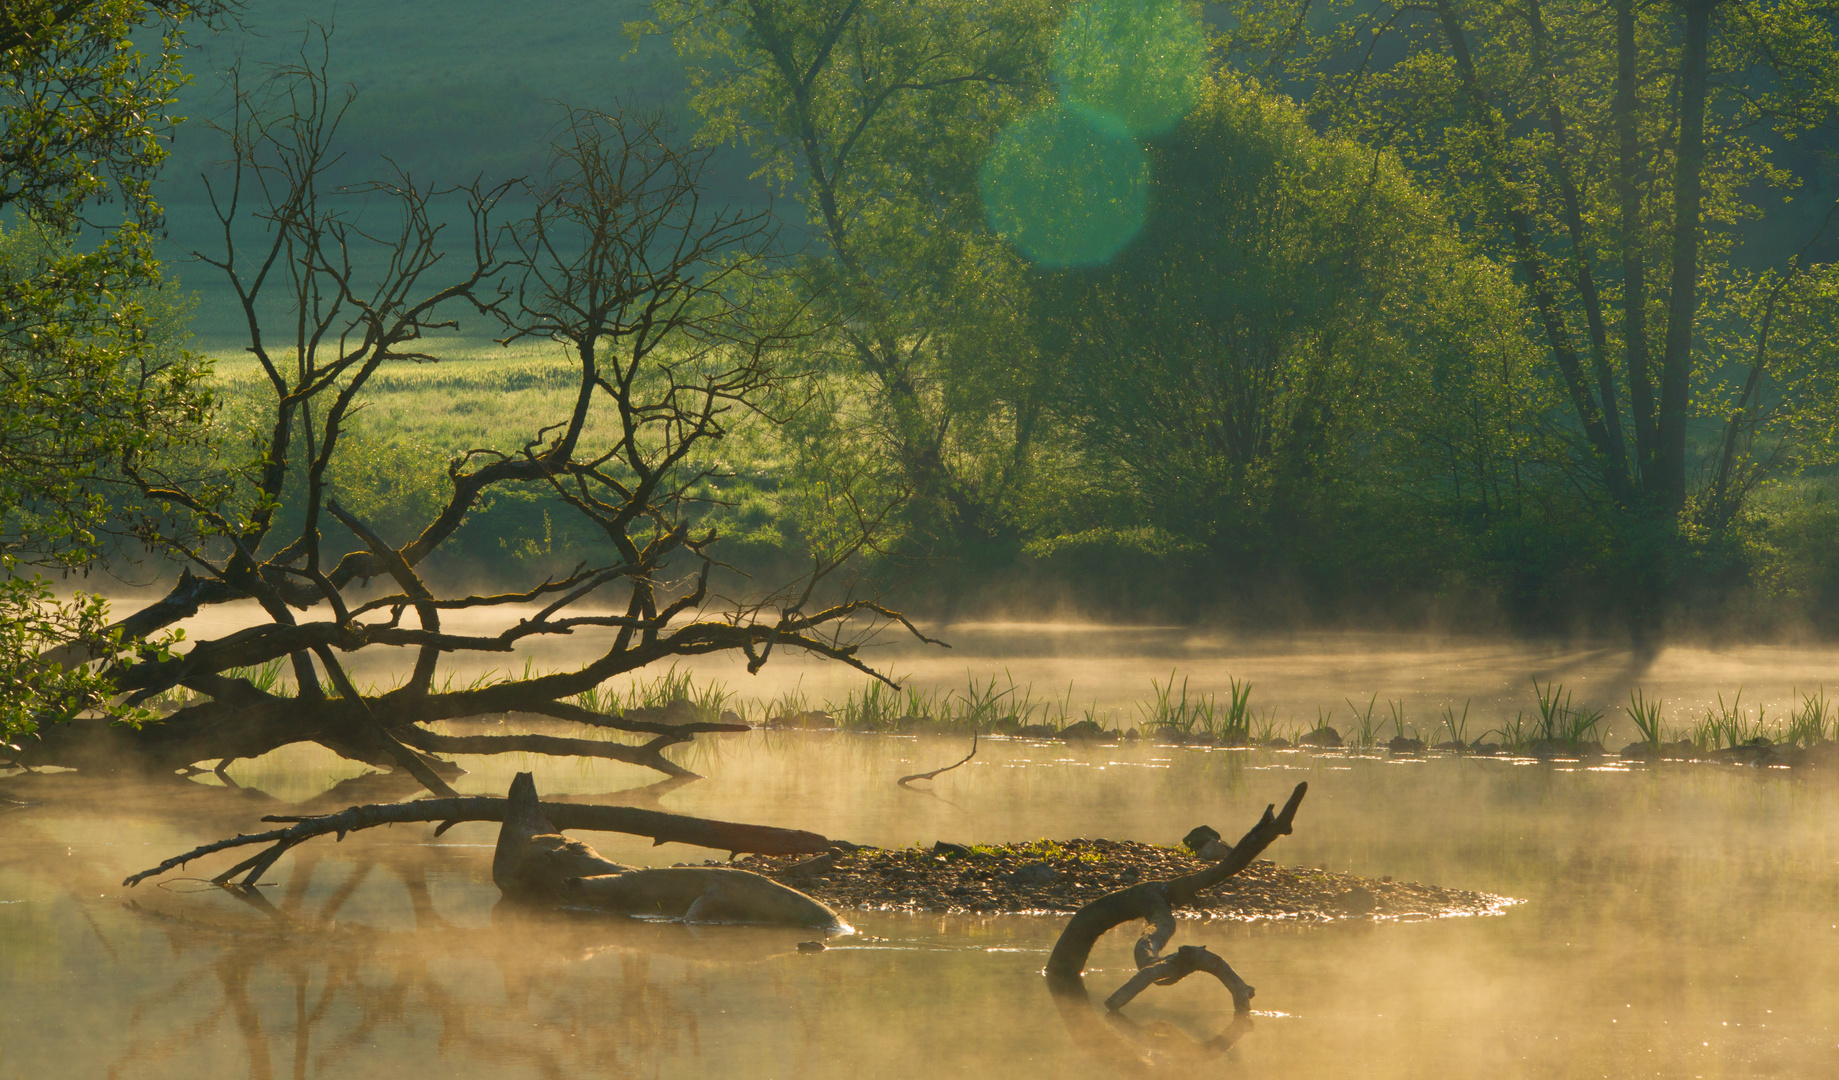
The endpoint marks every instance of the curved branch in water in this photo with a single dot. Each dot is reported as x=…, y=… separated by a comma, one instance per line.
x=1147, y=900
x=903, y=781
x=1155, y=903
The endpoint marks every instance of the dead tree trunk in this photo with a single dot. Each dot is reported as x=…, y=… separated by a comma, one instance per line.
x=534, y=862
x=1155, y=902
x=661, y=827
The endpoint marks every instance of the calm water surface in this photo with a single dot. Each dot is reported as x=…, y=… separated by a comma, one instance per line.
x=1680, y=921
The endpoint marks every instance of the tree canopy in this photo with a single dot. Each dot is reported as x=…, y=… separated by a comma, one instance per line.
x=92, y=379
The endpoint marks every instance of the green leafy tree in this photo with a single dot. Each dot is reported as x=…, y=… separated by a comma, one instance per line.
x=877, y=117
x=1608, y=152
x=90, y=381
x=1298, y=340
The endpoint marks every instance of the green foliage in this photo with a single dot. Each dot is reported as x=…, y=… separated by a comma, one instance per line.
x=1048, y=851
x=269, y=678
x=1399, y=727
x=1646, y=717
x=982, y=706
x=660, y=691
x=1134, y=66
x=1294, y=349
x=877, y=707
x=1515, y=734
x=1586, y=146
x=91, y=378
x=93, y=384
x=1362, y=362
x=1285, y=340
x=877, y=117
x=1811, y=720
x=1064, y=190
x=1772, y=383
x=1458, y=726
x=52, y=651
x=83, y=104
x=1365, y=734
x=1730, y=725
x=393, y=483
x=1174, y=711
x=1559, y=721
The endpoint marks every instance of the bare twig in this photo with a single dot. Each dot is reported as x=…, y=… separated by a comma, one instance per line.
x=903, y=781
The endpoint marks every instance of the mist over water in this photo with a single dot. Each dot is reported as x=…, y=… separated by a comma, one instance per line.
x=1297, y=678
x=1675, y=920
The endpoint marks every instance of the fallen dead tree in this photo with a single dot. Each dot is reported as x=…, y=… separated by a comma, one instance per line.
x=1155, y=902
x=533, y=862
x=649, y=295
x=660, y=827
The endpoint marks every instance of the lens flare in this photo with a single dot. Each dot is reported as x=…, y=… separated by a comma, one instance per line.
x=1064, y=190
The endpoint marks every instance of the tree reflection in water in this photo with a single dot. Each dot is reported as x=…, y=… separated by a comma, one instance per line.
x=356, y=986
x=371, y=959
x=389, y=955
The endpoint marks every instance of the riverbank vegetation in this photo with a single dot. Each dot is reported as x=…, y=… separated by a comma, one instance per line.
x=1550, y=721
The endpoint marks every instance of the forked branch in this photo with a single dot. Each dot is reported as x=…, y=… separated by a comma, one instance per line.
x=1156, y=902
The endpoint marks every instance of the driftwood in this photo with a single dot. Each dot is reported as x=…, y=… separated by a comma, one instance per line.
x=535, y=863
x=661, y=827
x=1155, y=902
x=905, y=780
x=532, y=858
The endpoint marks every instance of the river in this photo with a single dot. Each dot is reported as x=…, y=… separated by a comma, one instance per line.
x=1673, y=919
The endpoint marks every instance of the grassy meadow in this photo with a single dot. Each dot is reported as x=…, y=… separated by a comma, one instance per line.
x=417, y=417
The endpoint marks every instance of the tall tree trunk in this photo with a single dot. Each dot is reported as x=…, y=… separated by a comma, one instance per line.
x=1580, y=252
x=1634, y=264
x=1682, y=304
x=1515, y=217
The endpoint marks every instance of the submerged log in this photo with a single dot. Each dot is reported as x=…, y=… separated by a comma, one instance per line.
x=703, y=894
x=535, y=863
x=661, y=827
